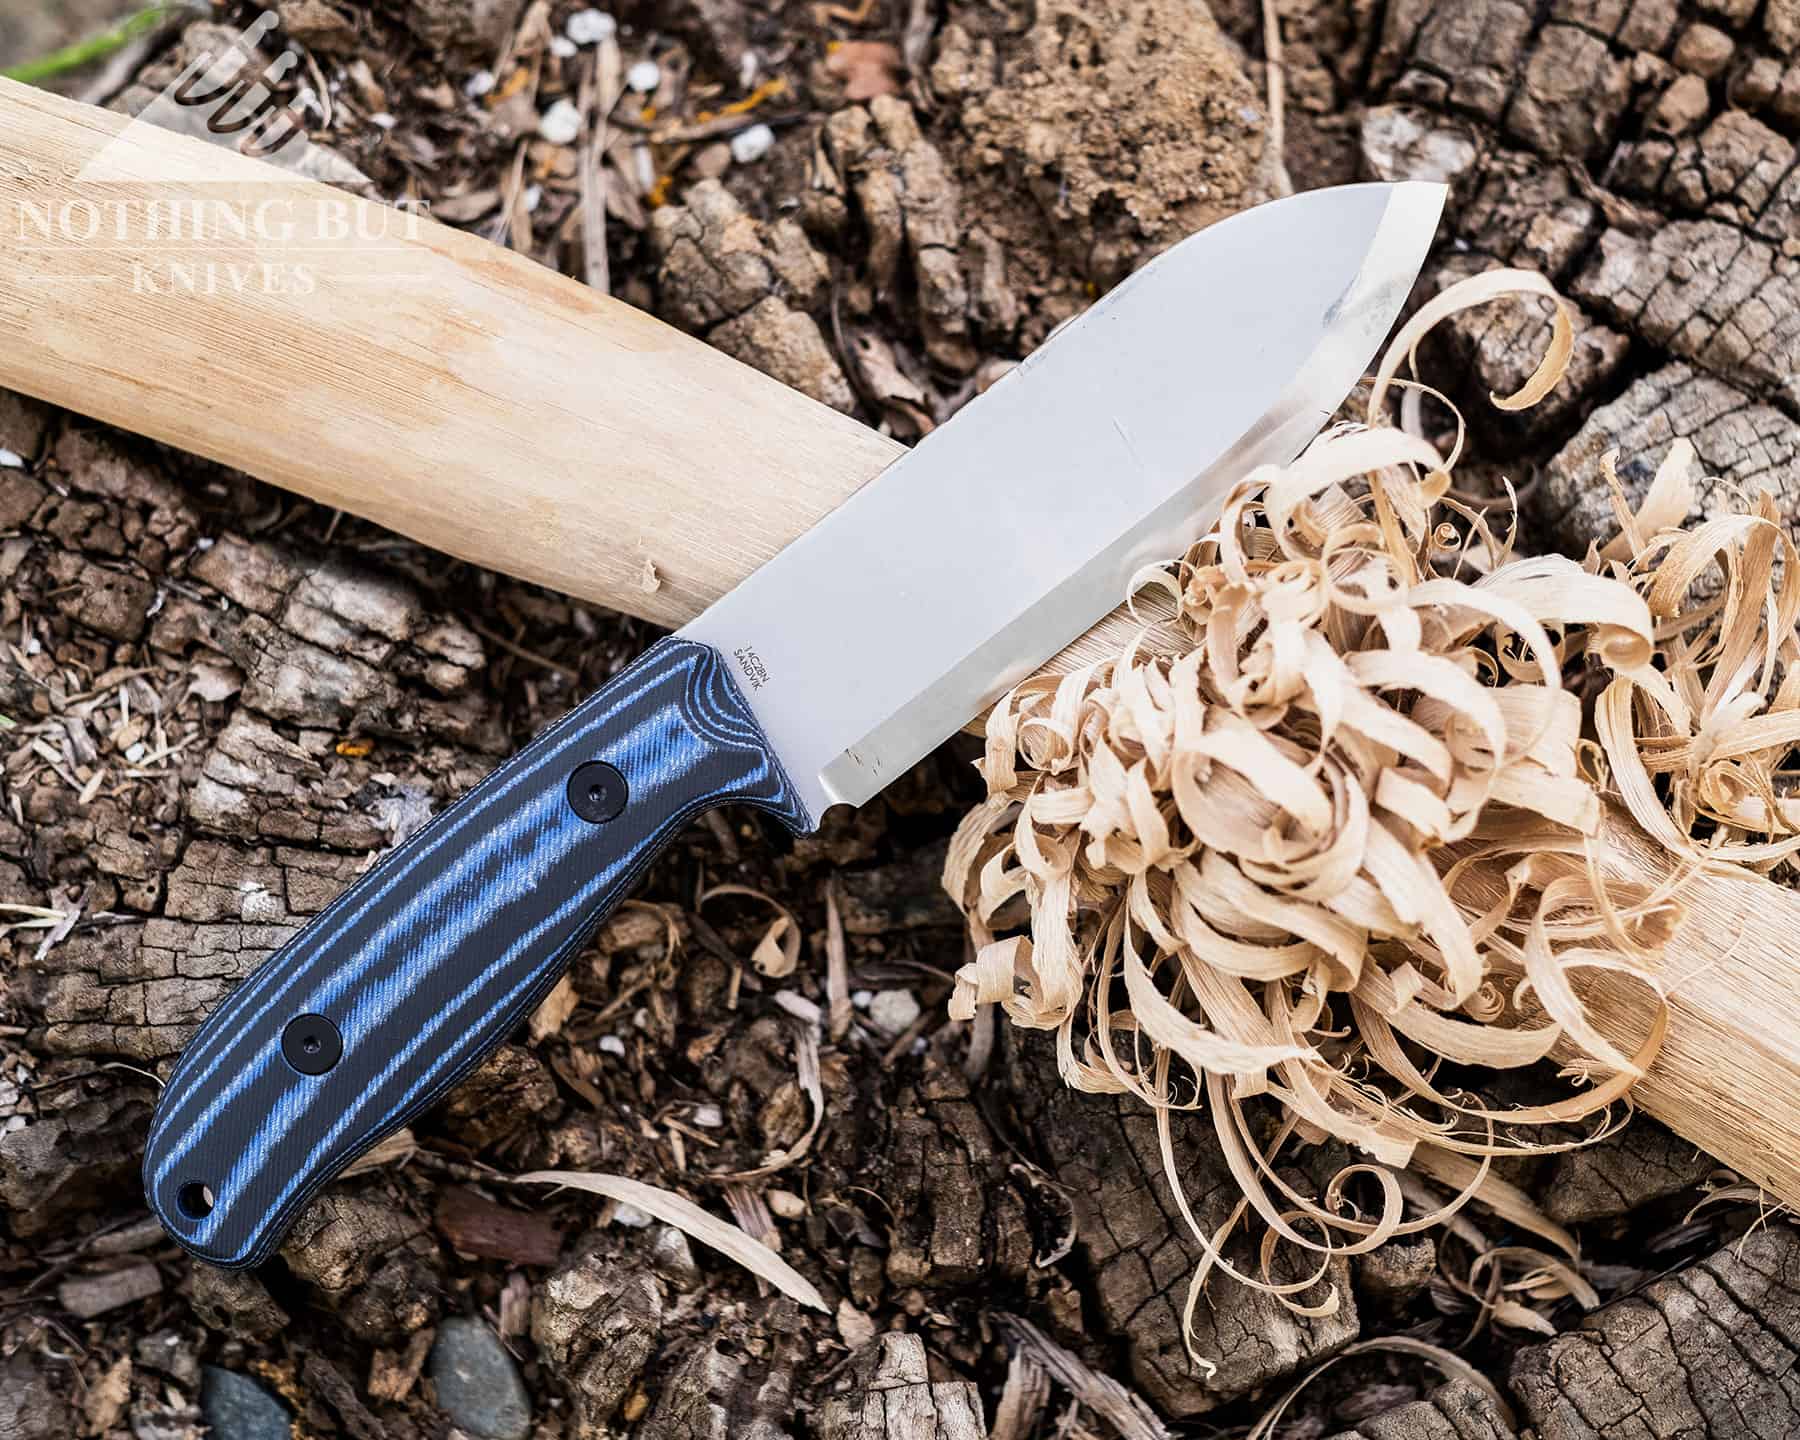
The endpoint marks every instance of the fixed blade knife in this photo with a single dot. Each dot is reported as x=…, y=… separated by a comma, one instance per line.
x=825, y=675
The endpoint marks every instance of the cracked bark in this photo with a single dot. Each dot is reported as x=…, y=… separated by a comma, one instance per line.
x=1644, y=157
x=891, y=1396
x=268, y=723
x=1709, y=1351
x=712, y=1395
x=1105, y=1151
x=596, y=1325
x=1457, y=1411
x=957, y=1220
x=747, y=288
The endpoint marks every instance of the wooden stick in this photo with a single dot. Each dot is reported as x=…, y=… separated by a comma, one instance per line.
x=473, y=400
x=450, y=390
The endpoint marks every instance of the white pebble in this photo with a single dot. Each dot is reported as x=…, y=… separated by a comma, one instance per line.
x=893, y=1011
x=749, y=146
x=590, y=27
x=560, y=124
x=612, y=1045
x=481, y=83
x=383, y=120
x=862, y=999
x=563, y=48
x=534, y=197
x=644, y=76
x=10, y=461
x=708, y=1117
x=632, y=1218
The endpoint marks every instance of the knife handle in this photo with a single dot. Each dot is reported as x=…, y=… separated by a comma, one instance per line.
x=417, y=972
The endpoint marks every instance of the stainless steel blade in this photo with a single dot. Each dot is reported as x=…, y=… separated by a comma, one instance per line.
x=1019, y=524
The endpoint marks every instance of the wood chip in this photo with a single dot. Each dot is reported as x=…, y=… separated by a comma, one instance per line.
x=477, y=1226
x=87, y=1296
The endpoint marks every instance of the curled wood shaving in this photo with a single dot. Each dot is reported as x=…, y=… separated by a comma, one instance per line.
x=1355, y=826
x=778, y=952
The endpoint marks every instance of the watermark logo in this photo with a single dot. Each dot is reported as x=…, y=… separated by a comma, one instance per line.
x=162, y=221
x=226, y=99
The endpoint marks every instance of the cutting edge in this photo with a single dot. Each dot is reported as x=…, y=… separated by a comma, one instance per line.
x=1357, y=322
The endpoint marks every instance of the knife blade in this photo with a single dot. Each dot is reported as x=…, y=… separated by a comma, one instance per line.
x=822, y=677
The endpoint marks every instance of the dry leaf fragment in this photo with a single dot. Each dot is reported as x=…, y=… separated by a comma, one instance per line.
x=692, y=1221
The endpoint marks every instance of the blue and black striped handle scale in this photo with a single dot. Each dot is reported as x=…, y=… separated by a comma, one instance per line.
x=413, y=976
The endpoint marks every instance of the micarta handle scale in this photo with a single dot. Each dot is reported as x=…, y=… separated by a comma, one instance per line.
x=417, y=972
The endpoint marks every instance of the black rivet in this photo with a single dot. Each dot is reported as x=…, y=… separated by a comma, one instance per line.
x=597, y=792
x=311, y=1044
x=195, y=1200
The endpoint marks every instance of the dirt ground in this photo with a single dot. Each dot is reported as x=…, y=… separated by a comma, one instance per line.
x=220, y=701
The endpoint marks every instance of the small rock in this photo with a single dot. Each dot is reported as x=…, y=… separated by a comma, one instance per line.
x=894, y=1011
x=560, y=124
x=749, y=146
x=237, y=1408
x=481, y=83
x=1781, y=23
x=478, y=1385
x=854, y=1327
x=644, y=77
x=591, y=27
x=785, y=1204
x=631, y=1217
x=563, y=48
x=10, y=461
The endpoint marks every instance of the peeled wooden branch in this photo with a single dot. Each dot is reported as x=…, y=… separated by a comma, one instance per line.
x=469, y=398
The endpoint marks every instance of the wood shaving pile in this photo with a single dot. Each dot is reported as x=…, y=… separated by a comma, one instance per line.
x=1346, y=828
